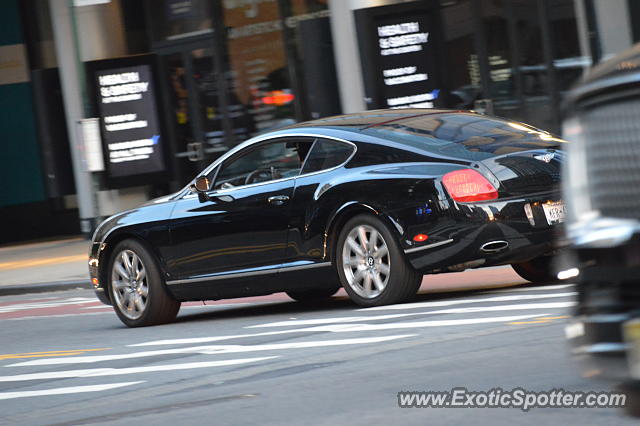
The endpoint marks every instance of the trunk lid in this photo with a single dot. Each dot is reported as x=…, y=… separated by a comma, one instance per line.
x=527, y=172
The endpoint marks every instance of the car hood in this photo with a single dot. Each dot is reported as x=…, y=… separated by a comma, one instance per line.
x=156, y=210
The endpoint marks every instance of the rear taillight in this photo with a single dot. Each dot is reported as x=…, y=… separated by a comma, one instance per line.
x=467, y=186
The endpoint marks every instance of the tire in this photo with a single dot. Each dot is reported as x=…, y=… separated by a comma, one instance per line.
x=374, y=272
x=141, y=300
x=538, y=270
x=313, y=295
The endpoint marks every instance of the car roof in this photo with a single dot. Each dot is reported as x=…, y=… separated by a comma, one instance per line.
x=367, y=119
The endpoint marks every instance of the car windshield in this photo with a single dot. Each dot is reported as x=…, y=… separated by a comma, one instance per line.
x=465, y=135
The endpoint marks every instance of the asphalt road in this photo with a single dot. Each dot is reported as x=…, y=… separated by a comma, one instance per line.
x=65, y=359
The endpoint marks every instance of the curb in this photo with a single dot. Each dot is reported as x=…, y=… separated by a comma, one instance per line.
x=12, y=290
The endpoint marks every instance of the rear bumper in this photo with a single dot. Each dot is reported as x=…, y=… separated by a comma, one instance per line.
x=474, y=228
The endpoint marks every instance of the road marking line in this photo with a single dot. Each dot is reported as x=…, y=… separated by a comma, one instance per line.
x=211, y=349
x=65, y=391
x=103, y=372
x=50, y=353
x=338, y=320
x=541, y=320
x=28, y=263
x=34, y=317
x=536, y=288
x=342, y=320
x=419, y=305
x=335, y=328
x=525, y=306
x=43, y=305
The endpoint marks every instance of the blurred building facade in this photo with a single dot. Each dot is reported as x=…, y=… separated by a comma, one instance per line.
x=208, y=74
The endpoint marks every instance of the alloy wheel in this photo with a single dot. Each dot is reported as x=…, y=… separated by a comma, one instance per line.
x=366, y=262
x=129, y=284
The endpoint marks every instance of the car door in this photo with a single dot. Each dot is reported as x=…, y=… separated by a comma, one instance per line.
x=240, y=226
x=312, y=203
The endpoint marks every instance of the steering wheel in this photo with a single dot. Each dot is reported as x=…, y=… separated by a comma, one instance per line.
x=259, y=175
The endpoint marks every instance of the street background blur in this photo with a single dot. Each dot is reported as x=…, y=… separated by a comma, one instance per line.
x=105, y=104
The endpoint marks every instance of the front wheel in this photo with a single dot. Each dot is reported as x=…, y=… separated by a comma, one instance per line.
x=136, y=286
x=538, y=270
x=371, y=264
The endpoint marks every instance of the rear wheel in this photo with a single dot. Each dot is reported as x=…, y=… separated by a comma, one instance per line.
x=538, y=270
x=136, y=286
x=371, y=265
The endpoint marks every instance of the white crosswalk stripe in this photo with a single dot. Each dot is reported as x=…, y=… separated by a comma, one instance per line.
x=102, y=372
x=420, y=305
x=393, y=316
x=54, y=303
x=209, y=350
x=454, y=313
x=530, y=288
x=340, y=328
x=65, y=391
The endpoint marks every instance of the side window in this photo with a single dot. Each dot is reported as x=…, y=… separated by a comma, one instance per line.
x=326, y=154
x=270, y=161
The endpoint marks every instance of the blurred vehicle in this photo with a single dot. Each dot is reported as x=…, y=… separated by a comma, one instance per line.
x=370, y=201
x=602, y=190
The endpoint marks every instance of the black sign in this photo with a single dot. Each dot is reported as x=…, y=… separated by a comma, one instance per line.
x=179, y=9
x=398, y=51
x=129, y=121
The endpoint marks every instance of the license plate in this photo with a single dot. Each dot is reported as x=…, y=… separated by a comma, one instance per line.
x=554, y=212
x=631, y=331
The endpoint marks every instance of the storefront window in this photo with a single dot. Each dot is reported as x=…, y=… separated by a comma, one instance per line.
x=461, y=59
x=568, y=61
x=533, y=71
x=177, y=19
x=496, y=30
x=261, y=96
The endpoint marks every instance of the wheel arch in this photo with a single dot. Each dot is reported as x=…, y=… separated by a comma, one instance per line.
x=110, y=242
x=344, y=214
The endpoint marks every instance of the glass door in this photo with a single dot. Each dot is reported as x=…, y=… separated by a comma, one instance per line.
x=194, y=109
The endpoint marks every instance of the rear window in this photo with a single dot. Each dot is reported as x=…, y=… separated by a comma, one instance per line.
x=326, y=154
x=468, y=136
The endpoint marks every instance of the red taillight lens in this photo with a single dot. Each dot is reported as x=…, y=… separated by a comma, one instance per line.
x=467, y=186
x=420, y=238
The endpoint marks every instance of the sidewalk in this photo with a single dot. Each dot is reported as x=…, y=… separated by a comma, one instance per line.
x=44, y=266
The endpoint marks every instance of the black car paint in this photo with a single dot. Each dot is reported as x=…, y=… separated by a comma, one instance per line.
x=210, y=249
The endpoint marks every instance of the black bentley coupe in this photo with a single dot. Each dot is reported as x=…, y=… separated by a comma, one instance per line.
x=370, y=202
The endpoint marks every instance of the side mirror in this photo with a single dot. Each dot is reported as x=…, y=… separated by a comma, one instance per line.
x=201, y=187
x=202, y=184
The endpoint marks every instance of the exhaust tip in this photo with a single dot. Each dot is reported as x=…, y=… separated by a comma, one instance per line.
x=494, y=246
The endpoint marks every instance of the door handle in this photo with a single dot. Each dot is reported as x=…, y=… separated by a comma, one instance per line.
x=278, y=200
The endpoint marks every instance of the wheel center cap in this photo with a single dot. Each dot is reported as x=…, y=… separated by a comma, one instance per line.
x=370, y=261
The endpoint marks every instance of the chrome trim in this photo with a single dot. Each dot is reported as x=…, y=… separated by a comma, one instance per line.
x=263, y=138
x=502, y=245
x=415, y=249
x=264, y=271
x=306, y=266
x=605, y=318
x=600, y=348
x=602, y=232
x=607, y=82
